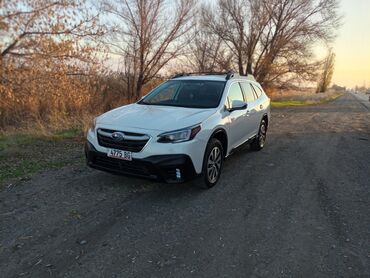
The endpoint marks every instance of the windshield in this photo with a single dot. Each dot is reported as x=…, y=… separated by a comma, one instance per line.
x=186, y=93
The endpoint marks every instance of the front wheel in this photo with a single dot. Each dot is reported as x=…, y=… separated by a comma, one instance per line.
x=260, y=140
x=212, y=163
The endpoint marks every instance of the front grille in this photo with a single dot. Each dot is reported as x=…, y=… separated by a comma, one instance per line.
x=128, y=167
x=133, y=142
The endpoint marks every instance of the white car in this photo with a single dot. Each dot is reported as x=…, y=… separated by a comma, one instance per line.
x=182, y=129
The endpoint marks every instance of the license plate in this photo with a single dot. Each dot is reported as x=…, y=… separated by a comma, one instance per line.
x=124, y=155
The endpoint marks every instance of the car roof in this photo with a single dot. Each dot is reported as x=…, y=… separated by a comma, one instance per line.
x=202, y=77
x=215, y=78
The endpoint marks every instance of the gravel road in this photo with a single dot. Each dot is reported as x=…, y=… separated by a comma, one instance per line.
x=298, y=208
x=363, y=98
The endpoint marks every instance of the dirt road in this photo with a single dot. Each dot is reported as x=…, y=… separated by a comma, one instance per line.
x=299, y=208
x=364, y=99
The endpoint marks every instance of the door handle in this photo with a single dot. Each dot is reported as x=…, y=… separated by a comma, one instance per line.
x=261, y=106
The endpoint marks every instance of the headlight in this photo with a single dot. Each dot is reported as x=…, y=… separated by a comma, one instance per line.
x=93, y=125
x=178, y=136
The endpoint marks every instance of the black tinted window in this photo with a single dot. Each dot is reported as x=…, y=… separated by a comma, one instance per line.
x=186, y=93
x=248, y=91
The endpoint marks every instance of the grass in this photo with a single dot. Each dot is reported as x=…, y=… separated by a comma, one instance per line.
x=27, y=168
x=22, y=155
x=23, y=139
x=14, y=140
x=67, y=134
x=292, y=103
x=305, y=102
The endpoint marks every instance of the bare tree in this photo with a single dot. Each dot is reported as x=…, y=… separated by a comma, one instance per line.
x=48, y=60
x=148, y=35
x=240, y=24
x=207, y=51
x=273, y=39
x=23, y=28
x=327, y=73
x=233, y=35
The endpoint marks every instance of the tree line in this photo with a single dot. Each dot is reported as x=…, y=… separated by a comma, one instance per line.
x=56, y=56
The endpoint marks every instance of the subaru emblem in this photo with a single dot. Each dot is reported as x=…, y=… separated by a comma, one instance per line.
x=118, y=136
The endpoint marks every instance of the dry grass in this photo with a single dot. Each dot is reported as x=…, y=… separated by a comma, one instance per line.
x=301, y=97
x=69, y=105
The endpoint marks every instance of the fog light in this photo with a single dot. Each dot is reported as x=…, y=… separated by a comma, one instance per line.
x=178, y=174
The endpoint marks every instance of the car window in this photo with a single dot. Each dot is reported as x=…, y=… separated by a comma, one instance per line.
x=248, y=92
x=254, y=91
x=167, y=93
x=257, y=90
x=186, y=93
x=235, y=93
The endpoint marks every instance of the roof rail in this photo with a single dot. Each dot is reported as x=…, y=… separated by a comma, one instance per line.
x=229, y=74
x=177, y=75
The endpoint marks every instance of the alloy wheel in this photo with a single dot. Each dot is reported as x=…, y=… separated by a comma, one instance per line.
x=214, y=164
x=262, y=135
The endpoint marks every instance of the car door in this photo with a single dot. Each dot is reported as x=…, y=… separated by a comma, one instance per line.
x=252, y=116
x=236, y=123
x=261, y=102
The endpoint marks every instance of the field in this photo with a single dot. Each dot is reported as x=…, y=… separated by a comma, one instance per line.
x=23, y=155
x=302, y=97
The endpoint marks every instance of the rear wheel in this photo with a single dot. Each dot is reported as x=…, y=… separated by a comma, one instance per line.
x=260, y=140
x=212, y=163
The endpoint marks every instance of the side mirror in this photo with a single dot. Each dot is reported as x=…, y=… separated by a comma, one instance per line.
x=237, y=105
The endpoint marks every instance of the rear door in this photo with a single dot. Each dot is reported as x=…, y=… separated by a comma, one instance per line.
x=262, y=103
x=252, y=114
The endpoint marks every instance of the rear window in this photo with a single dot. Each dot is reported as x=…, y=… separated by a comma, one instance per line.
x=248, y=92
x=257, y=90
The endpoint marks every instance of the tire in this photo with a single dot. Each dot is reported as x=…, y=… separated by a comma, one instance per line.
x=212, y=163
x=260, y=140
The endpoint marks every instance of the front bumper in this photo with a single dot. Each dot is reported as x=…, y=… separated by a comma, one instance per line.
x=175, y=168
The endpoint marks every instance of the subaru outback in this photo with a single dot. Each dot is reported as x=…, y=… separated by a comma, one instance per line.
x=182, y=129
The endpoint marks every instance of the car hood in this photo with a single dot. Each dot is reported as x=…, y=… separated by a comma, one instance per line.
x=153, y=117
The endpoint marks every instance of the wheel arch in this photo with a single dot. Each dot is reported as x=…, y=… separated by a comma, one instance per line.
x=221, y=135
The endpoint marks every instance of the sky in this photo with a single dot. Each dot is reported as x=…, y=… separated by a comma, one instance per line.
x=352, y=46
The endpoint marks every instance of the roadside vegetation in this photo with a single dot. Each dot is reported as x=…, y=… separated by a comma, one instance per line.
x=62, y=62
x=304, y=99
x=24, y=154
